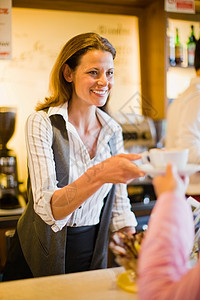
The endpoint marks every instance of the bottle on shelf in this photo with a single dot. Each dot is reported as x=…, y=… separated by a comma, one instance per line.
x=171, y=50
x=178, y=49
x=191, y=45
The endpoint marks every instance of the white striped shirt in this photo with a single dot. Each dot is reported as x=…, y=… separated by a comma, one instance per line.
x=39, y=138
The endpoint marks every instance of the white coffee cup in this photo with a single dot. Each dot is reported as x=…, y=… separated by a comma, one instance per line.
x=159, y=158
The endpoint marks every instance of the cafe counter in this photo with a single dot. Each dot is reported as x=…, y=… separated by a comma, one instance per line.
x=90, y=285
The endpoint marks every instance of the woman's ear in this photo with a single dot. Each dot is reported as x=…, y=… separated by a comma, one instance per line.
x=67, y=73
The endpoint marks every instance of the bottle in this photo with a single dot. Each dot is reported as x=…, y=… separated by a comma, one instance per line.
x=171, y=50
x=191, y=45
x=178, y=50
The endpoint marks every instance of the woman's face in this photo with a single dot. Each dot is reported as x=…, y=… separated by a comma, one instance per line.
x=93, y=78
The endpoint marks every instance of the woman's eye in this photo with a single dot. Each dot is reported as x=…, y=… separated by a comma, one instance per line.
x=93, y=72
x=110, y=73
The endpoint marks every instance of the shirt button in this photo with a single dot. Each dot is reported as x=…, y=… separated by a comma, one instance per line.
x=74, y=224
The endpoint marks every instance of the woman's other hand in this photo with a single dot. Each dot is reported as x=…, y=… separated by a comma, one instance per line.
x=170, y=182
x=128, y=230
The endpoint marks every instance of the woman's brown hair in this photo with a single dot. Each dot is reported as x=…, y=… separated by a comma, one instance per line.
x=61, y=90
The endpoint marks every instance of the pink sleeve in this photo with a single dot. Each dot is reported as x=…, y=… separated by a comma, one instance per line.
x=163, y=264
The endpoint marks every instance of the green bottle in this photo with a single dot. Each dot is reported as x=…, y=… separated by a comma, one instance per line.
x=191, y=45
x=178, y=50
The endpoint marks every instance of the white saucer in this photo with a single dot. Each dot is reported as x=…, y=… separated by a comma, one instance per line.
x=151, y=171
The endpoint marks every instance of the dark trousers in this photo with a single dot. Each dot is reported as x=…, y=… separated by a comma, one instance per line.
x=79, y=251
x=79, y=248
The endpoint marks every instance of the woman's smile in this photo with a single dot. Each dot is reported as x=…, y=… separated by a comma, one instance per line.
x=100, y=92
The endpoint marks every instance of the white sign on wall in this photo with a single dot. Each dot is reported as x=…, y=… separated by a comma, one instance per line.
x=180, y=6
x=5, y=29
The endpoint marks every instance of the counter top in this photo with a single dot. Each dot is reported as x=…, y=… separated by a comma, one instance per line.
x=90, y=285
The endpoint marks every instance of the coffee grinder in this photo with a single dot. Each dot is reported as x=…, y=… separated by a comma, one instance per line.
x=9, y=186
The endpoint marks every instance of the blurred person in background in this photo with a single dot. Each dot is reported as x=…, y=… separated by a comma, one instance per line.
x=183, y=125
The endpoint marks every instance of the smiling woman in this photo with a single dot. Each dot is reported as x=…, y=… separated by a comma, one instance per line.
x=94, y=77
x=77, y=169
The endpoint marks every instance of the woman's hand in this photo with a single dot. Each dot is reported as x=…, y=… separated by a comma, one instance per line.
x=170, y=182
x=117, y=169
x=128, y=230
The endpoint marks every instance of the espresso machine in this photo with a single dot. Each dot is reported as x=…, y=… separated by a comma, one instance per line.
x=9, y=185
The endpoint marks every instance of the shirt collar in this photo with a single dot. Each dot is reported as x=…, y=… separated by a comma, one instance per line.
x=107, y=122
x=59, y=110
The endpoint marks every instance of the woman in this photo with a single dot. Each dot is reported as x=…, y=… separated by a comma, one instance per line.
x=77, y=183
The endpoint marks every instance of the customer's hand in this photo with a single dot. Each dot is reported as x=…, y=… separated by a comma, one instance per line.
x=170, y=182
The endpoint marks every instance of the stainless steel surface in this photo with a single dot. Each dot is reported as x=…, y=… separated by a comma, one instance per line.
x=139, y=133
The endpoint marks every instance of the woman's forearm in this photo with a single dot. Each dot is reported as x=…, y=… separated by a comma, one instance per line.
x=70, y=197
x=116, y=169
